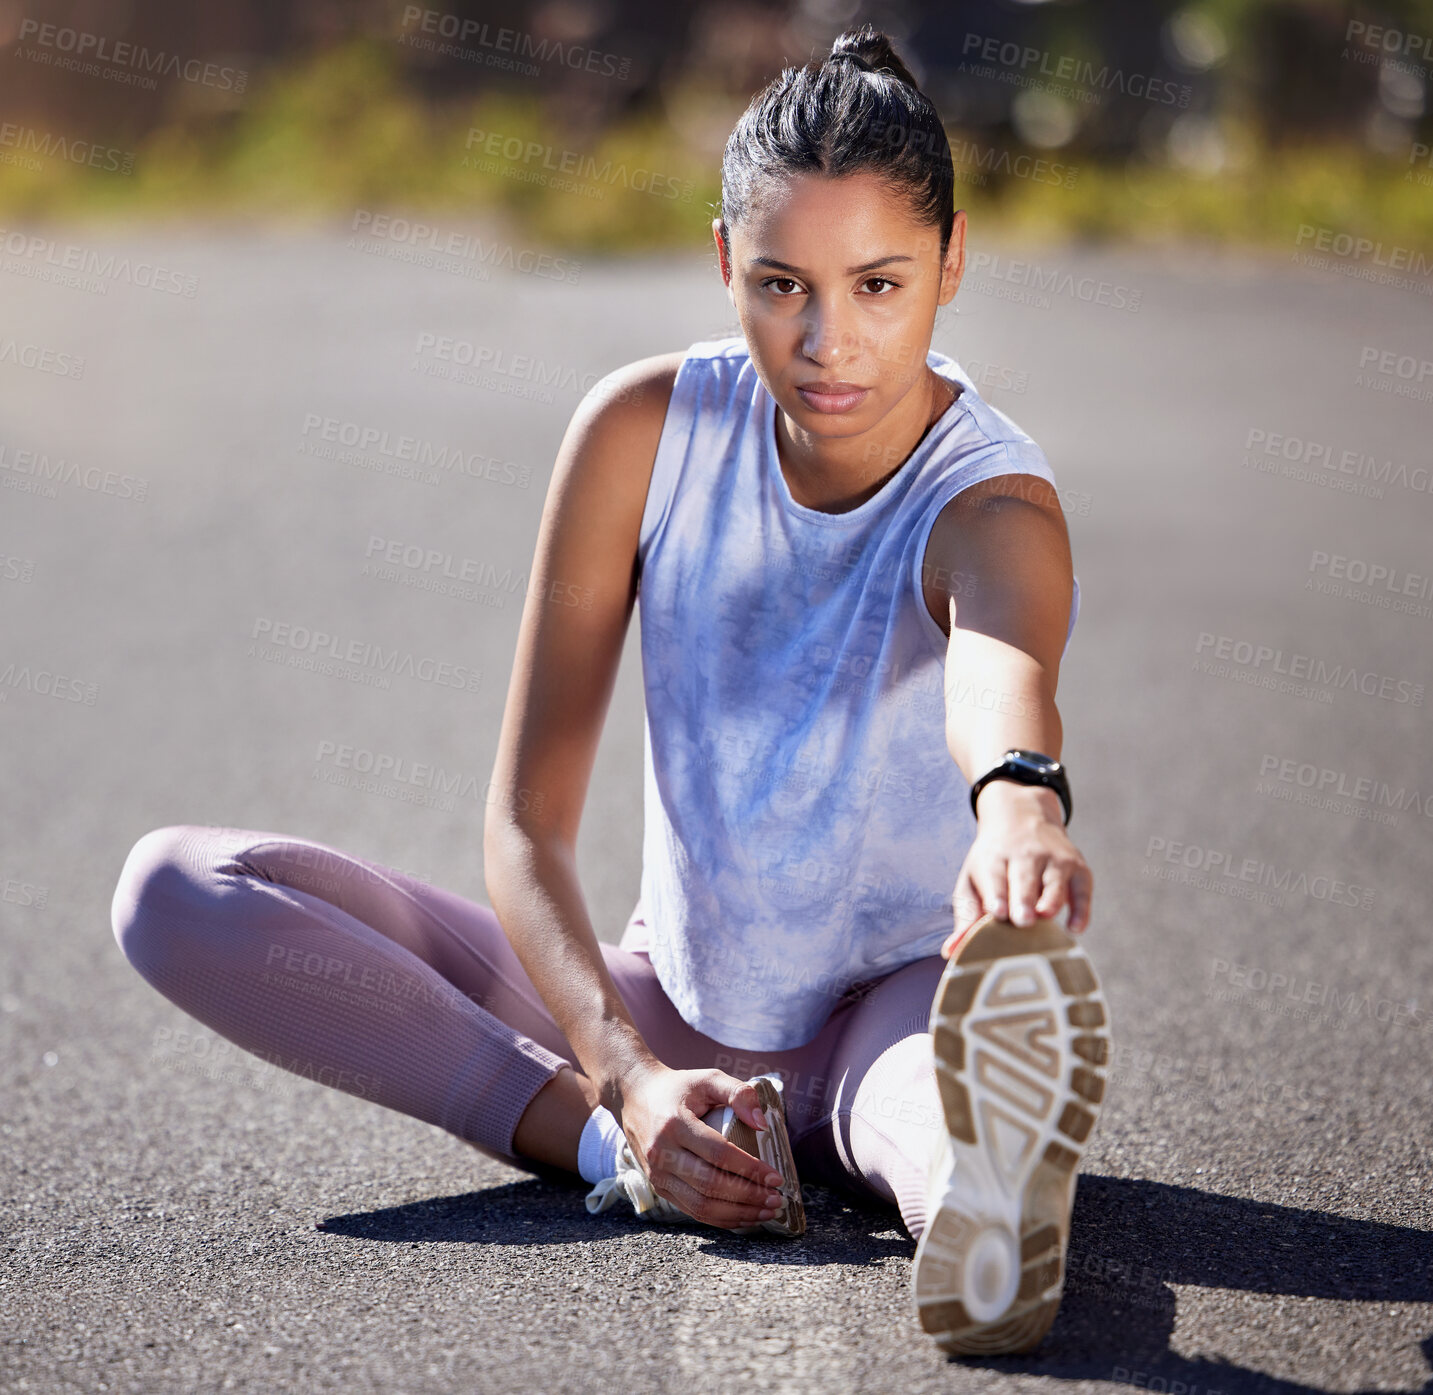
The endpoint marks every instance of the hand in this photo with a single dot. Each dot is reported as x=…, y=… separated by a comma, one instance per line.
x=689, y=1162
x=1022, y=865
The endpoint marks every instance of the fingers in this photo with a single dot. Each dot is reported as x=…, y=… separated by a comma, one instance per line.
x=724, y=1214
x=1022, y=889
x=993, y=887
x=708, y=1192
x=1082, y=887
x=744, y=1099
x=969, y=907
x=752, y=1179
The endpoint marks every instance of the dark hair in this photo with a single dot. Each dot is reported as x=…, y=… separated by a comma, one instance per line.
x=858, y=109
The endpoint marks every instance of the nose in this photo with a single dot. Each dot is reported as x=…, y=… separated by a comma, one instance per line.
x=825, y=340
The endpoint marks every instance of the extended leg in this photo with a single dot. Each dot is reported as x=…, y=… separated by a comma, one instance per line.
x=882, y=1120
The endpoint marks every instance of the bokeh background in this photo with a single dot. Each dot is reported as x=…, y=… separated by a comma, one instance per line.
x=296, y=302
x=1226, y=119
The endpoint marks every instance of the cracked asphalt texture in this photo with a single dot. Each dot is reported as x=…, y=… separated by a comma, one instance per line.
x=1253, y=1212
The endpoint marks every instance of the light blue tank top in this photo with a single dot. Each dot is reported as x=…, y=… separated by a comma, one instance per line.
x=804, y=821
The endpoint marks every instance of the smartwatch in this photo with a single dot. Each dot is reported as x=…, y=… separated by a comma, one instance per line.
x=1026, y=768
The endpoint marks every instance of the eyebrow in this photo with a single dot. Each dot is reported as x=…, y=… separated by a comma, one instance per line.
x=850, y=270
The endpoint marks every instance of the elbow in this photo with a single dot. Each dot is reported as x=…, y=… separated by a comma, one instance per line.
x=516, y=845
x=506, y=844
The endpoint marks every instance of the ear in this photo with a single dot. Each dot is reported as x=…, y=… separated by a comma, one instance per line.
x=718, y=230
x=953, y=268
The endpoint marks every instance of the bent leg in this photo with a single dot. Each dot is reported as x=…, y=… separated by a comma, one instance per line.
x=342, y=971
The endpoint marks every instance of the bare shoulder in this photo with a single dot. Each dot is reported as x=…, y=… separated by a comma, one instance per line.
x=1004, y=529
x=623, y=412
x=592, y=516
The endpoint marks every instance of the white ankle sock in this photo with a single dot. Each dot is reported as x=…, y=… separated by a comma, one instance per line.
x=597, y=1149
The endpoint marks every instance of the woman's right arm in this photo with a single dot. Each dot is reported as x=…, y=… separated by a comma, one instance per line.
x=581, y=592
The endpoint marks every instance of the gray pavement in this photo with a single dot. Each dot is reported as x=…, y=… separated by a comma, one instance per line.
x=1249, y=750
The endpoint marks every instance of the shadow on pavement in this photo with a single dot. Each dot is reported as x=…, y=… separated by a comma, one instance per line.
x=550, y=1211
x=1130, y=1239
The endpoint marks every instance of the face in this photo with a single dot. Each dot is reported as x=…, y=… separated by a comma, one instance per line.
x=836, y=286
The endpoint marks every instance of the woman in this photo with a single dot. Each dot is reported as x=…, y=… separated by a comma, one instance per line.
x=856, y=591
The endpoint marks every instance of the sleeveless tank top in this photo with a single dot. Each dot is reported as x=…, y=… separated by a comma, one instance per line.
x=804, y=820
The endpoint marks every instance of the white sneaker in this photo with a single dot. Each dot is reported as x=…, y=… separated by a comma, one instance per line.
x=1019, y=1031
x=771, y=1145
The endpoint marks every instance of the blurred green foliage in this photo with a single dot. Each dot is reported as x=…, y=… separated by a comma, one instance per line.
x=338, y=132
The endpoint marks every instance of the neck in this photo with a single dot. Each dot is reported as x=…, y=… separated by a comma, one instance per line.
x=838, y=476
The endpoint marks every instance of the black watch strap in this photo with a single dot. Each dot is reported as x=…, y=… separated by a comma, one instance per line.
x=1023, y=767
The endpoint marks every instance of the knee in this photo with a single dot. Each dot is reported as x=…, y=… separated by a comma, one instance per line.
x=154, y=898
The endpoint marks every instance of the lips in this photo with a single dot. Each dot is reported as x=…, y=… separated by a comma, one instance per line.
x=834, y=396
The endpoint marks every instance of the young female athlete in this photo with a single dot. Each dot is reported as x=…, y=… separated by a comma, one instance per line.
x=856, y=591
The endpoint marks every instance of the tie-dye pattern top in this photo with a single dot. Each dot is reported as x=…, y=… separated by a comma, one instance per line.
x=804, y=820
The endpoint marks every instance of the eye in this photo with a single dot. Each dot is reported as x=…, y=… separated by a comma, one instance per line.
x=881, y=280
x=781, y=280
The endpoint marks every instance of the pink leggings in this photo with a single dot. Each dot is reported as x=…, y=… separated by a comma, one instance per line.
x=358, y=976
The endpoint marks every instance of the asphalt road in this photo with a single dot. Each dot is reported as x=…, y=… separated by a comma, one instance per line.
x=1249, y=748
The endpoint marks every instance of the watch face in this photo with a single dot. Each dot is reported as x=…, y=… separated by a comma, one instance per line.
x=1033, y=760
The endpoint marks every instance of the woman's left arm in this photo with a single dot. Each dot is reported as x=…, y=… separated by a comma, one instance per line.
x=998, y=578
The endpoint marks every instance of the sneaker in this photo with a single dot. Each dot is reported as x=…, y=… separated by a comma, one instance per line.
x=1019, y=1030
x=771, y=1145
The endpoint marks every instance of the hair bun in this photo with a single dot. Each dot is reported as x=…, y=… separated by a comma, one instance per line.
x=868, y=48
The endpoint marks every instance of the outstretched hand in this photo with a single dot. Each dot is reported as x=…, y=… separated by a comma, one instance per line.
x=1022, y=867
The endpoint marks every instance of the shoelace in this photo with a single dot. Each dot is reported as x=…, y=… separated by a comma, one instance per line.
x=629, y=1181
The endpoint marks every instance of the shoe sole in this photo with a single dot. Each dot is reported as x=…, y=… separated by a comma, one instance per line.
x=773, y=1146
x=1020, y=1034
